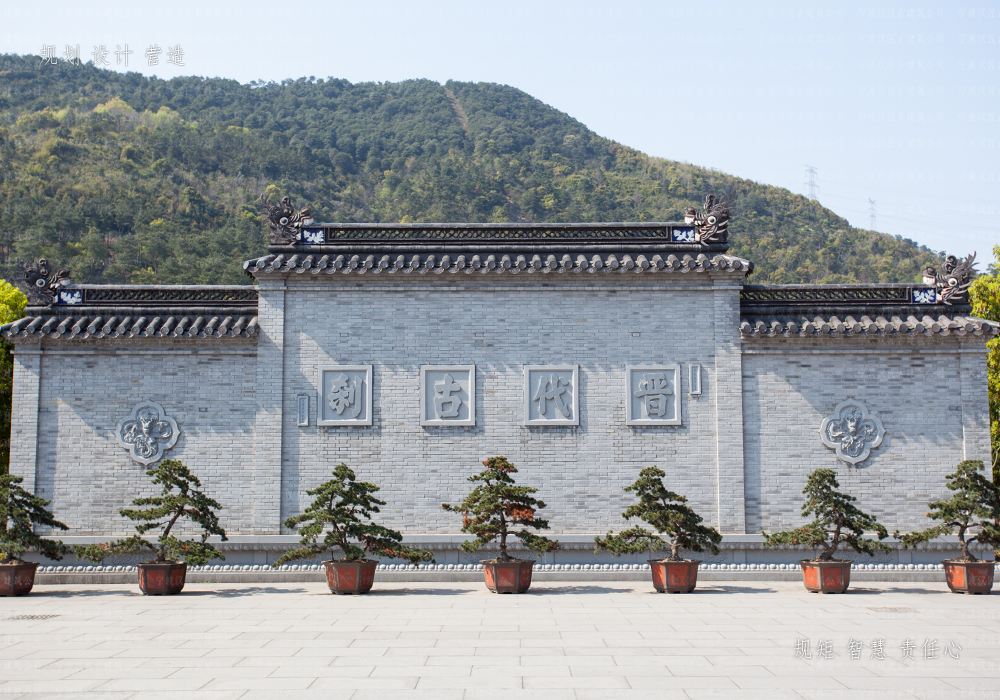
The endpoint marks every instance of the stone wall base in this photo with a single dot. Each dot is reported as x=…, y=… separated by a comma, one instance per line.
x=237, y=574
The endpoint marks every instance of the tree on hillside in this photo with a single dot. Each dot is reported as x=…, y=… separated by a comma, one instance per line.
x=124, y=178
x=12, y=302
x=985, y=296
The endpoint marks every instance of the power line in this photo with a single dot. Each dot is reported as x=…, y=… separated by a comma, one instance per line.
x=811, y=181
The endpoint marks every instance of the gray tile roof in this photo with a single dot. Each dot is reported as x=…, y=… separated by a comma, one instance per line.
x=148, y=325
x=454, y=262
x=871, y=323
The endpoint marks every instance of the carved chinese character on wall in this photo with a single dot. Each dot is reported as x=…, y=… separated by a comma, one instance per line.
x=551, y=395
x=147, y=433
x=448, y=395
x=345, y=395
x=653, y=395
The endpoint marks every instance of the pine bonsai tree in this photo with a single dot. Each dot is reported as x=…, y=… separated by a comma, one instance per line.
x=837, y=521
x=493, y=508
x=666, y=511
x=166, y=509
x=346, y=506
x=975, y=504
x=19, y=509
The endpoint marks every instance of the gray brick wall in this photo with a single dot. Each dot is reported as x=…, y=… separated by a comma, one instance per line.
x=87, y=387
x=928, y=392
x=753, y=430
x=580, y=471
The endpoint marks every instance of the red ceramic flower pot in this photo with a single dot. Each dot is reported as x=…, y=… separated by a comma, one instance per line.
x=350, y=577
x=508, y=576
x=162, y=578
x=826, y=576
x=17, y=579
x=674, y=576
x=969, y=577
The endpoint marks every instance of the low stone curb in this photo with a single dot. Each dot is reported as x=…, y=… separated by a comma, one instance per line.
x=477, y=576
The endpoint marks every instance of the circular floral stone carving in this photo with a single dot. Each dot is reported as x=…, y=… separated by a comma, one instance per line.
x=147, y=433
x=852, y=431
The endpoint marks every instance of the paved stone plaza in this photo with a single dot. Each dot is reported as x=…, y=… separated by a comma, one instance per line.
x=456, y=640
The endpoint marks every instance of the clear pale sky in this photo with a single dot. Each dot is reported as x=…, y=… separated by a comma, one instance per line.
x=895, y=102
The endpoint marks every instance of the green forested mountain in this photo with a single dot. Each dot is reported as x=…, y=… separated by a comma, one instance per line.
x=122, y=178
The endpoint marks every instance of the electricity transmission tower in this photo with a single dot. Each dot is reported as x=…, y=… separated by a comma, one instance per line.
x=871, y=214
x=811, y=181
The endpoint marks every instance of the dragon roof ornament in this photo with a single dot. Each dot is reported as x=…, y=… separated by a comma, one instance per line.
x=713, y=223
x=41, y=284
x=284, y=221
x=952, y=286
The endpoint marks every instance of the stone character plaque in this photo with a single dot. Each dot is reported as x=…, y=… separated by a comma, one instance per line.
x=448, y=395
x=345, y=395
x=653, y=395
x=551, y=395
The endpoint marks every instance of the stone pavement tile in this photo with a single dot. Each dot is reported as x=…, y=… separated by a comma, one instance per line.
x=294, y=694
x=968, y=683
x=810, y=693
x=741, y=694
x=54, y=686
x=828, y=668
x=415, y=694
x=673, y=682
x=477, y=660
x=322, y=671
x=246, y=652
x=197, y=662
x=60, y=653
x=199, y=643
x=223, y=672
x=89, y=695
x=37, y=674
x=787, y=682
x=402, y=683
x=493, y=693
x=610, y=681
x=395, y=671
x=899, y=683
x=683, y=669
x=164, y=684
x=486, y=672
x=468, y=683
x=121, y=665
x=743, y=660
x=108, y=674
x=162, y=652
x=707, y=651
x=956, y=694
x=360, y=660
x=531, y=659
x=302, y=682
x=627, y=661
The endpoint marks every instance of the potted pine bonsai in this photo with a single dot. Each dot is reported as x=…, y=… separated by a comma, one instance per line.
x=345, y=505
x=974, y=505
x=667, y=513
x=180, y=498
x=19, y=511
x=491, y=512
x=837, y=522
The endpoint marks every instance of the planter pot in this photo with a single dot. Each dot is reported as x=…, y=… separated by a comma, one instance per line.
x=969, y=577
x=161, y=578
x=350, y=577
x=826, y=576
x=17, y=579
x=674, y=576
x=508, y=576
